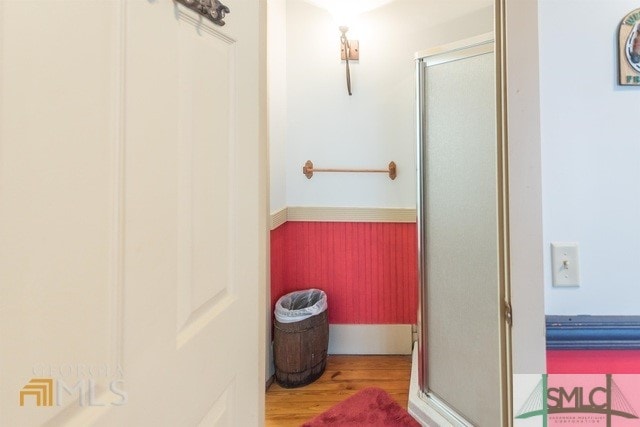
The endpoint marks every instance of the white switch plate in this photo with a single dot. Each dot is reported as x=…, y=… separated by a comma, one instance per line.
x=565, y=265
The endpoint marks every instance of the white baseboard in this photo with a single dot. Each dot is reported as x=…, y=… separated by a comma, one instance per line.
x=370, y=339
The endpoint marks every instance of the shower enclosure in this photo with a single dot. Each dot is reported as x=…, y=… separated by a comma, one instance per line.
x=463, y=349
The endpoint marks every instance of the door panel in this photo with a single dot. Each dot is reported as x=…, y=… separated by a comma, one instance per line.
x=58, y=228
x=462, y=254
x=205, y=211
x=461, y=277
x=132, y=239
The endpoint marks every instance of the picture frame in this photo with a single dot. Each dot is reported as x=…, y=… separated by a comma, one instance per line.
x=629, y=49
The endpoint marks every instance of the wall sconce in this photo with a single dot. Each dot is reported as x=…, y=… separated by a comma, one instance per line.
x=349, y=51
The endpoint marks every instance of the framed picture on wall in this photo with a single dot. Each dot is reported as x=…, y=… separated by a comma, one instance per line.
x=629, y=49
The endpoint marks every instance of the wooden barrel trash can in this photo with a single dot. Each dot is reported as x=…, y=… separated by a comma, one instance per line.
x=300, y=337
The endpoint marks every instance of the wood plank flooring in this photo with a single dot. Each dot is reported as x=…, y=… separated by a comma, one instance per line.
x=344, y=376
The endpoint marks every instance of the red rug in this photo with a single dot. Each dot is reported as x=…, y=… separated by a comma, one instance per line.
x=369, y=407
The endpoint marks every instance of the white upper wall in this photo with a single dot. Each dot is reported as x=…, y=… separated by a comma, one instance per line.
x=376, y=124
x=277, y=100
x=590, y=156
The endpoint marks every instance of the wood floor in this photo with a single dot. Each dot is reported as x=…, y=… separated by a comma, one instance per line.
x=344, y=376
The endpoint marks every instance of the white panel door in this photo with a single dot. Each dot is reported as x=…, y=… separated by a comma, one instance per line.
x=132, y=215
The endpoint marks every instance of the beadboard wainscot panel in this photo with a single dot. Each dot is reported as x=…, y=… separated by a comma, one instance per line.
x=367, y=269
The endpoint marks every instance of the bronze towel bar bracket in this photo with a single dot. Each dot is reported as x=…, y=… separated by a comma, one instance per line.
x=213, y=10
x=308, y=170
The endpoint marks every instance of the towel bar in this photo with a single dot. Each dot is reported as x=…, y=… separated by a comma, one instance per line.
x=308, y=170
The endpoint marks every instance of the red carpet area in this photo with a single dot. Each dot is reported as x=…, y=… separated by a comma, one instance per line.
x=593, y=361
x=369, y=407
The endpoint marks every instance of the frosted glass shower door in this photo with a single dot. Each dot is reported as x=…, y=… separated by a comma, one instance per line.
x=461, y=299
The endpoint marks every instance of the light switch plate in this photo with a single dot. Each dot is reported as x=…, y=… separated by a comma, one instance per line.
x=565, y=264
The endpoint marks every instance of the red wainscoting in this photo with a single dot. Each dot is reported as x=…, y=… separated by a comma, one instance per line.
x=593, y=361
x=368, y=270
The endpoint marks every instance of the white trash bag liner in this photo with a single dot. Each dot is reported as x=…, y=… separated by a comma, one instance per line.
x=300, y=305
